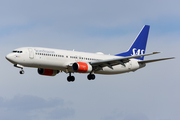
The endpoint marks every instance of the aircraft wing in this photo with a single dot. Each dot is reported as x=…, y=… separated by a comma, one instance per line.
x=111, y=62
x=155, y=60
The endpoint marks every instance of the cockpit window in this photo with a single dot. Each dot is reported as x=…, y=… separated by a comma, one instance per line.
x=15, y=51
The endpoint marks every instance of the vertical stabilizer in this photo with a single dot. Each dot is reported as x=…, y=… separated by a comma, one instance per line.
x=139, y=45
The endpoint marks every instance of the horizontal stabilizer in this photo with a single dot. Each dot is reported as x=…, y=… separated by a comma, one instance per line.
x=155, y=60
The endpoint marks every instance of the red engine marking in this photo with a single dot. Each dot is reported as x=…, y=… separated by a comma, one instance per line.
x=83, y=67
x=48, y=72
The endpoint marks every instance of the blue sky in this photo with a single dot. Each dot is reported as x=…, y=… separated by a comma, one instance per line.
x=151, y=93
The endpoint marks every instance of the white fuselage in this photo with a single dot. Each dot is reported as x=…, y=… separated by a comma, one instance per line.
x=60, y=59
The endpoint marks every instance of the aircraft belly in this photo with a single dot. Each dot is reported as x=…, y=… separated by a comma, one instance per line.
x=118, y=69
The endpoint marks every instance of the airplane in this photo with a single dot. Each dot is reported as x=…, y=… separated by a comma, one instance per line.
x=50, y=62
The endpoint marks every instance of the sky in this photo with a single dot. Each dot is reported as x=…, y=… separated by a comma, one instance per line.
x=108, y=26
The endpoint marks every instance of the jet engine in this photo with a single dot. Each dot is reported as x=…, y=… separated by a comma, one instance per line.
x=82, y=67
x=47, y=72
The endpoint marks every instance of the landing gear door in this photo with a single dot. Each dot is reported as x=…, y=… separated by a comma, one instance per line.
x=31, y=53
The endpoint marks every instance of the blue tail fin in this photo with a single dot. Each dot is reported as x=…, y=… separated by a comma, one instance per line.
x=139, y=45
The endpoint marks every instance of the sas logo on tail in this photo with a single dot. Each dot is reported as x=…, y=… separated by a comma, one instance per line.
x=137, y=52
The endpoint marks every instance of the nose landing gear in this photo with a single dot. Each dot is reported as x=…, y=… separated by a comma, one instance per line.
x=21, y=72
x=20, y=66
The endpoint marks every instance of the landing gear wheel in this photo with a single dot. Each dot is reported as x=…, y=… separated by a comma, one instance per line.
x=21, y=72
x=91, y=77
x=70, y=78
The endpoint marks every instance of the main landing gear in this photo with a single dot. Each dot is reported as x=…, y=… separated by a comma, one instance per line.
x=91, y=77
x=70, y=78
x=20, y=66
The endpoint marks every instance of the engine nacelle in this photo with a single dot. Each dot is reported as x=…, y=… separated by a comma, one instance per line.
x=47, y=72
x=81, y=67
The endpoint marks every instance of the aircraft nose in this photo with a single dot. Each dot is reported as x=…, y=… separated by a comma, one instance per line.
x=9, y=57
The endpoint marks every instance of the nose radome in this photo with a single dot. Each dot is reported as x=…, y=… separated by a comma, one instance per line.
x=9, y=57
